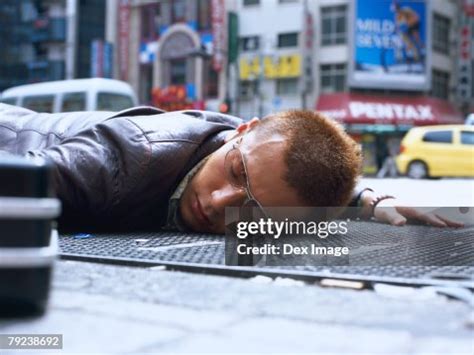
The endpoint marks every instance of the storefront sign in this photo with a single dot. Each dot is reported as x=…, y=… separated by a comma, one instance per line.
x=389, y=45
x=357, y=108
x=148, y=52
x=123, y=40
x=285, y=66
x=465, y=57
x=101, y=59
x=219, y=32
x=468, y=7
x=381, y=111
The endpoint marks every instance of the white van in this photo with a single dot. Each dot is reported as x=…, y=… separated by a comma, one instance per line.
x=96, y=94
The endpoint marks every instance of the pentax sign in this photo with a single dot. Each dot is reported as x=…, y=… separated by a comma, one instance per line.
x=352, y=108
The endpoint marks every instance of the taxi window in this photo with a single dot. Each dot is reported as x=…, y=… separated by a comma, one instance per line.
x=113, y=102
x=467, y=137
x=438, y=137
x=40, y=103
x=74, y=101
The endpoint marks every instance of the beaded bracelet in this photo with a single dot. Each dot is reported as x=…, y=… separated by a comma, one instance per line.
x=377, y=200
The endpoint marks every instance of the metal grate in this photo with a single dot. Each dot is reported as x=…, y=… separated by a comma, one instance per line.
x=205, y=253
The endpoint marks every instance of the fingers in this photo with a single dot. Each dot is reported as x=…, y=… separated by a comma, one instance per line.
x=432, y=219
x=449, y=222
x=421, y=216
x=398, y=215
x=389, y=215
x=428, y=217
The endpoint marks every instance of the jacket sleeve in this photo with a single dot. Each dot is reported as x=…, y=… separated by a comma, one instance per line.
x=93, y=169
x=357, y=194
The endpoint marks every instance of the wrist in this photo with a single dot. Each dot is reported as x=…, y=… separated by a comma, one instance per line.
x=366, y=199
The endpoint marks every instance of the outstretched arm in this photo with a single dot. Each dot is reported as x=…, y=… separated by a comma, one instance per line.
x=390, y=211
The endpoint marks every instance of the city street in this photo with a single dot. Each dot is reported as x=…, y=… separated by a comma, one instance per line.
x=106, y=308
x=154, y=155
x=454, y=192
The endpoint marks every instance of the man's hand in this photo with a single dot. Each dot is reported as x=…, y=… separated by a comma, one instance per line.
x=390, y=211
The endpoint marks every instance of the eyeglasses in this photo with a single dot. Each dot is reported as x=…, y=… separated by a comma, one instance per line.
x=237, y=175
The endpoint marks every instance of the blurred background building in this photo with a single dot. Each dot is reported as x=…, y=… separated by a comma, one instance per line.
x=378, y=67
x=44, y=40
x=173, y=52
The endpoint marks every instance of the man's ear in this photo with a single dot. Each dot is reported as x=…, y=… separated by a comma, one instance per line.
x=242, y=128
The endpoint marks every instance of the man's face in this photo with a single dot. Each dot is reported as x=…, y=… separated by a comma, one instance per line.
x=204, y=200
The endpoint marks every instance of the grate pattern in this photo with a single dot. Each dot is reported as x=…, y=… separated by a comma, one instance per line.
x=208, y=250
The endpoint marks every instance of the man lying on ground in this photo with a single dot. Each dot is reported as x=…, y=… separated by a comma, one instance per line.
x=143, y=168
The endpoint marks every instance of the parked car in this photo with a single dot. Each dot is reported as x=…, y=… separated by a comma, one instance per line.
x=96, y=94
x=437, y=151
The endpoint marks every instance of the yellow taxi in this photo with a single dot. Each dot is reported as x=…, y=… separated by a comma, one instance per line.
x=436, y=151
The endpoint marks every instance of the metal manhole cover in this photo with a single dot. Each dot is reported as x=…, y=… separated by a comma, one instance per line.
x=206, y=253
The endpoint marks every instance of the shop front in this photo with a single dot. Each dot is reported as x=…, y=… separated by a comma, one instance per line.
x=379, y=122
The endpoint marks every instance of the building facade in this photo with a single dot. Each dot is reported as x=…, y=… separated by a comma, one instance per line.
x=173, y=52
x=273, y=40
x=385, y=67
x=378, y=67
x=44, y=40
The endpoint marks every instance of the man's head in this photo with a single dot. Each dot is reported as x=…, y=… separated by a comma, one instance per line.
x=293, y=158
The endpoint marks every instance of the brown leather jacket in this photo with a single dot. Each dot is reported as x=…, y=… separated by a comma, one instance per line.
x=115, y=170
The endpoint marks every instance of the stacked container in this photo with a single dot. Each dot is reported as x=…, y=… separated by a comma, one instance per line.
x=28, y=240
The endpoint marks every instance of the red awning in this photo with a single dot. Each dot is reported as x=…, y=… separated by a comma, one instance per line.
x=353, y=108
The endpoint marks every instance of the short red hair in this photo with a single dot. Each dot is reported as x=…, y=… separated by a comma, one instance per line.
x=323, y=162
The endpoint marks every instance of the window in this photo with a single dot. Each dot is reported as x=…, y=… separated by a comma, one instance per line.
x=288, y=40
x=287, y=86
x=251, y=2
x=178, y=71
x=438, y=137
x=40, y=103
x=113, y=102
x=204, y=15
x=74, y=101
x=251, y=43
x=178, y=10
x=440, y=84
x=333, y=25
x=441, y=28
x=248, y=89
x=151, y=21
x=333, y=78
x=467, y=137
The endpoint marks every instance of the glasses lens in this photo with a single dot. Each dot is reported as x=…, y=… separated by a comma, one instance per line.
x=234, y=168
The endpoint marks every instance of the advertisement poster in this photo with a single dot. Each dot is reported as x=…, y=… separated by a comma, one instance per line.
x=389, y=44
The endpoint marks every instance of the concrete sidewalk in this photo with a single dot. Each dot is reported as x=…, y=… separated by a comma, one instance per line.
x=111, y=309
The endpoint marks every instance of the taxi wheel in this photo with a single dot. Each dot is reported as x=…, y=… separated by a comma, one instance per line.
x=417, y=170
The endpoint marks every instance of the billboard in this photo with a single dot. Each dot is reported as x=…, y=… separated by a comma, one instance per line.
x=390, y=43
